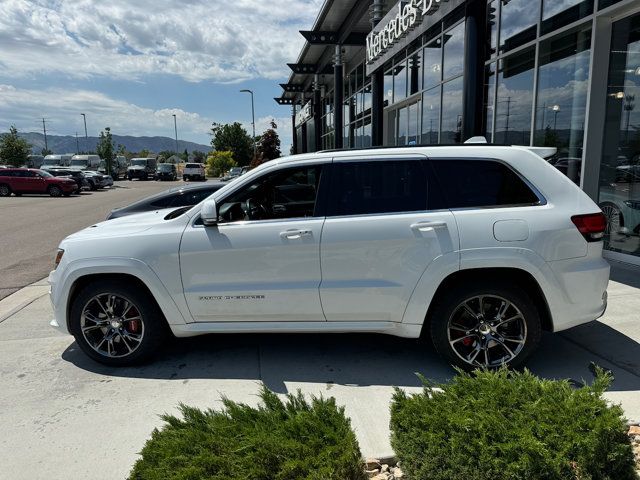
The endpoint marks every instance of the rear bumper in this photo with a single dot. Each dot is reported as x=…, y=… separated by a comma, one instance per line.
x=583, y=283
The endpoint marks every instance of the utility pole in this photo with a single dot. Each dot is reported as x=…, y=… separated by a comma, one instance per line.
x=86, y=138
x=44, y=127
x=175, y=126
x=253, y=119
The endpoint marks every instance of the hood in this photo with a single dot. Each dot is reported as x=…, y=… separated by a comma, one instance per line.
x=123, y=226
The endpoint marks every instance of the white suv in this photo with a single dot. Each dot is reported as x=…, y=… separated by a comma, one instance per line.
x=478, y=247
x=194, y=171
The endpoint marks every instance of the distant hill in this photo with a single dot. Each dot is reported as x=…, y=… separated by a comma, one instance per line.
x=67, y=144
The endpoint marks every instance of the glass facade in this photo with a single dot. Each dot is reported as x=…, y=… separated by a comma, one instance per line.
x=619, y=191
x=357, y=112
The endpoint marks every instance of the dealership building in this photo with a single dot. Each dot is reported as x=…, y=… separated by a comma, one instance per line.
x=560, y=73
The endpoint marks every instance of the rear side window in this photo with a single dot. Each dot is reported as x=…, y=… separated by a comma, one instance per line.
x=165, y=202
x=481, y=183
x=192, y=165
x=360, y=188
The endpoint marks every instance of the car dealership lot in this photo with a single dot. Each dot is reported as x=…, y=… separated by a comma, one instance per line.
x=34, y=225
x=65, y=416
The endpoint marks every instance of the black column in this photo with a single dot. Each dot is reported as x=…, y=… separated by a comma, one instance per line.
x=303, y=132
x=377, y=107
x=474, y=54
x=294, y=141
x=338, y=93
x=317, y=115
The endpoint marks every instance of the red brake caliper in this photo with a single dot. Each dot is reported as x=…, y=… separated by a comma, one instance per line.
x=467, y=341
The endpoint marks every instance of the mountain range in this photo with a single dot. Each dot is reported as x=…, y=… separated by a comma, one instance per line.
x=67, y=144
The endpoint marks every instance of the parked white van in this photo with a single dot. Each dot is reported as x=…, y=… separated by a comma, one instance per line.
x=62, y=160
x=478, y=247
x=85, y=162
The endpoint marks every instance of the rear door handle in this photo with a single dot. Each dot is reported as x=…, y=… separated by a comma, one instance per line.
x=426, y=226
x=294, y=234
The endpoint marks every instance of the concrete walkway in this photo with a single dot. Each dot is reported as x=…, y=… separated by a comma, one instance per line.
x=64, y=416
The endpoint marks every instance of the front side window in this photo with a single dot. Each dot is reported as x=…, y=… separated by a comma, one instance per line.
x=290, y=193
x=370, y=187
x=481, y=183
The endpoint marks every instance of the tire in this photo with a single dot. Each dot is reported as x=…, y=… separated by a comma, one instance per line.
x=54, y=191
x=614, y=217
x=145, y=322
x=67, y=194
x=184, y=178
x=5, y=190
x=92, y=185
x=471, y=337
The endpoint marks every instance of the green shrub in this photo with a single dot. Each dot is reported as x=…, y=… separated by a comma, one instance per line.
x=218, y=163
x=498, y=425
x=278, y=440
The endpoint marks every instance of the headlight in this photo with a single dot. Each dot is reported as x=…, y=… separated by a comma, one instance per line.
x=635, y=204
x=59, y=255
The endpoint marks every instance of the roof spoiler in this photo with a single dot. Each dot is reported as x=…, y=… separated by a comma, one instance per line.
x=544, y=152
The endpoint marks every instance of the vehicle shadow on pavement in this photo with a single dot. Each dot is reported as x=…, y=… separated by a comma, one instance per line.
x=346, y=359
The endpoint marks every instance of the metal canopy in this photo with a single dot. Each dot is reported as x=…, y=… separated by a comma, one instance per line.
x=290, y=87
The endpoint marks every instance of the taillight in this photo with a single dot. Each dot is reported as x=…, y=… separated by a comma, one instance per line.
x=591, y=226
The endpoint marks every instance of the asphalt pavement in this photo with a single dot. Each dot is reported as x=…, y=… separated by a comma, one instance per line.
x=32, y=226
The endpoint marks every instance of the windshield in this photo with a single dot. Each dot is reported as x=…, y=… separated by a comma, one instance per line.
x=164, y=167
x=236, y=170
x=79, y=163
x=51, y=161
x=141, y=162
x=44, y=174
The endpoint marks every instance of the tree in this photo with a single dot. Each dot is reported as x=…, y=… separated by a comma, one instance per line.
x=219, y=162
x=121, y=150
x=185, y=156
x=233, y=138
x=199, y=157
x=105, y=148
x=46, y=151
x=269, y=144
x=167, y=154
x=14, y=150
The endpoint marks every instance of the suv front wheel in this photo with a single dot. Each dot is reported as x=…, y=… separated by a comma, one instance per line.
x=116, y=324
x=485, y=326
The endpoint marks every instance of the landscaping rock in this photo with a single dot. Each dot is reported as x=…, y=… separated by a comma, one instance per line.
x=372, y=463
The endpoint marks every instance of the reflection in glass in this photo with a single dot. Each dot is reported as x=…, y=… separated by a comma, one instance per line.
x=489, y=92
x=492, y=27
x=558, y=13
x=453, y=52
x=401, y=130
x=518, y=23
x=415, y=73
x=388, y=88
x=606, y=3
x=562, y=98
x=620, y=168
x=514, y=98
x=366, y=133
x=430, y=116
x=452, y=112
x=413, y=132
x=367, y=99
x=400, y=81
x=433, y=63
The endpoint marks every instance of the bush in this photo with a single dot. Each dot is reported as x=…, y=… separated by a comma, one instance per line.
x=495, y=425
x=279, y=440
x=218, y=163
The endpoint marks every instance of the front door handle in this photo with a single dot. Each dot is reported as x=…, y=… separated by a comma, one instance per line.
x=427, y=226
x=294, y=234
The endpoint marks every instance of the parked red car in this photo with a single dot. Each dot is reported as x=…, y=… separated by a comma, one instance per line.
x=31, y=180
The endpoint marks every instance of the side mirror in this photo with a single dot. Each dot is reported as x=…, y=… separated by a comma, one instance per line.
x=209, y=213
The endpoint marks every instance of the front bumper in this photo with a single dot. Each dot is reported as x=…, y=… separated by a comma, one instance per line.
x=59, y=321
x=137, y=174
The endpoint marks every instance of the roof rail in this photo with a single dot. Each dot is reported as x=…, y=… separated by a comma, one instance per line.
x=420, y=145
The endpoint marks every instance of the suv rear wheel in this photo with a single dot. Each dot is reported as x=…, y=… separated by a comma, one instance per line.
x=486, y=326
x=55, y=191
x=5, y=191
x=116, y=324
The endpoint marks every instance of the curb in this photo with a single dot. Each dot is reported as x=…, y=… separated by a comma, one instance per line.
x=22, y=298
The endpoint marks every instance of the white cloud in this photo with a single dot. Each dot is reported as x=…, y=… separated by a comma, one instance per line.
x=221, y=40
x=24, y=107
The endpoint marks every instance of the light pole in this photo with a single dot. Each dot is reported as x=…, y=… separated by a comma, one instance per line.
x=253, y=119
x=86, y=138
x=556, y=109
x=175, y=127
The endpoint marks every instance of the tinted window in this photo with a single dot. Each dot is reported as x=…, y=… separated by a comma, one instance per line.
x=164, y=202
x=481, y=183
x=289, y=193
x=192, y=197
x=378, y=187
x=192, y=165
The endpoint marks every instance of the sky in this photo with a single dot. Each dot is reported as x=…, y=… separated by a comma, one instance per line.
x=131, y=65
